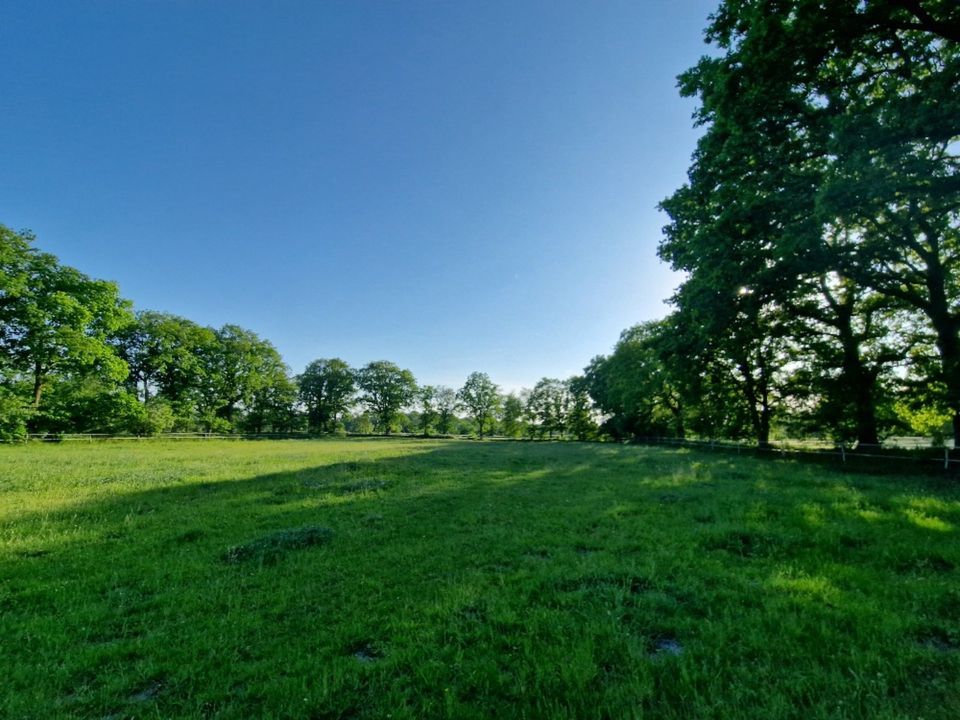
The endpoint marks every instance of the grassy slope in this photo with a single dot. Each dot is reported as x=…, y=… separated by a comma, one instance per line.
x=471, y=580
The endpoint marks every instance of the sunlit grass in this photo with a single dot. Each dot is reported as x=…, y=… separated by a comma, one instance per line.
x=367, y=578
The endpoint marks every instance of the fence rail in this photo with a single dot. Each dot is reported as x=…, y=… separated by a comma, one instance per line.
x=924, y=449
x=91, y=437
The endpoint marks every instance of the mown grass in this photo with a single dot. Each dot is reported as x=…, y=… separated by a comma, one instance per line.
x=419, y=579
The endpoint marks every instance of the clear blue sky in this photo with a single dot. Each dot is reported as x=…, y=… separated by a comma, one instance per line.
x=452, y=186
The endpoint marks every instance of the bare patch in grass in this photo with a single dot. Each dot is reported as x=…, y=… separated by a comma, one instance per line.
x=667, y=646
x=365, y=652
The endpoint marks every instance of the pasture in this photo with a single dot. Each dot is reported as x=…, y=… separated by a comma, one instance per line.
x=428, y=579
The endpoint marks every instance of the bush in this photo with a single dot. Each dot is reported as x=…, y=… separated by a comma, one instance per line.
x=14, y=414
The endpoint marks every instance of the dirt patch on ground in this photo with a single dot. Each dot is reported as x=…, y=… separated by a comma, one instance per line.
x=666, y=646
x=365, y=652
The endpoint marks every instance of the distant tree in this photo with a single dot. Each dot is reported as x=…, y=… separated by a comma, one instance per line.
x=446, y=403
x=548, y=405
x=385, y=390
x=359, y=423
x=236, y=366
x=463, y=426
x=407, y=422
x=164, y=353
x=481, y=397
x=639, y=386
x=271, y=405
x=511, y=420
x=427, y=401
x=327, y=388
x=580, y=420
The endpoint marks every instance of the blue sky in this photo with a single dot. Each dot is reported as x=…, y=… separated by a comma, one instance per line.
x=453, y=186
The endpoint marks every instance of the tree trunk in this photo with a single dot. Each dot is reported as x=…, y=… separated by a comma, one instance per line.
x=949, y=346
x=860, y=383
x=947, y=327
x=759, y=419
x=866, y=418
x=37, y=384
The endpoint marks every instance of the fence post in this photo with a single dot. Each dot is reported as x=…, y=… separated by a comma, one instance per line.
x=946, y=457
x=843, y=455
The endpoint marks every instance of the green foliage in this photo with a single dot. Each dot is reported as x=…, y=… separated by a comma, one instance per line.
x=271, y=406
x=385, y=390
x=548, y=405
x=446, y=403
x=14, y=416
x=637, y=386
x=236, y=366
x=926, y=421
x=53, y=318
x=327, y=388
x=481, y=398
x=427, y=400
x=580, y=421
x=159, y=417
x=89, y=404
x=821, y=206
x=511, y=417
x=165, y=355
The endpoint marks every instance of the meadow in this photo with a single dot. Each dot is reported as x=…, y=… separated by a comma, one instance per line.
x=402, y=578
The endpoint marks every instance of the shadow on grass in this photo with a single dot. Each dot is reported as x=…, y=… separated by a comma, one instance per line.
x=476, y=579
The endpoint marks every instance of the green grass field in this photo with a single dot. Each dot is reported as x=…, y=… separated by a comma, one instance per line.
x=427, y=579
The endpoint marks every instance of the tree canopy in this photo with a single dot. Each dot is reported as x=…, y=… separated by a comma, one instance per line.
x=385, y=389
x=481, y=397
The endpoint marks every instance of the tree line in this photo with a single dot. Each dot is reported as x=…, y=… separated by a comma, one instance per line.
x=76, y=357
